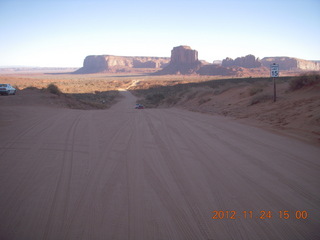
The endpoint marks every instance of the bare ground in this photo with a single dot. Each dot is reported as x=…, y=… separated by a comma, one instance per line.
x=150, y=174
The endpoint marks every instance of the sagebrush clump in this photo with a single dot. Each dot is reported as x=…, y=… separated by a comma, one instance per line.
x=54, y=89
x=260, y=98
x=303, y=81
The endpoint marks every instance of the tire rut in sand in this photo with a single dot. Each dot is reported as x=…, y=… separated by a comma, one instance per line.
x=59, y=206
x=172, y=159
x=106, y=171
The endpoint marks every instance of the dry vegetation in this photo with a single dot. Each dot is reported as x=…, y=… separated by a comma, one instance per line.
x=203, y=91
x=304, y=80
x=297, y=106
x=296, y=111
x=94, y=90
x=77, y=91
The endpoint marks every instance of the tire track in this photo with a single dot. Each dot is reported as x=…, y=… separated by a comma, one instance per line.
x=258, y=160
x=30, y=156
x=95, y=178
x=171, y=158
x=237, y=150
x=62, y=190
x=34, y=125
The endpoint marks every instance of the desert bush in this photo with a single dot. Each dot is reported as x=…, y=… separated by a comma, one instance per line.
x=52, y=88
x=261, y=98
x=191, y=95
x=98, y=100
x=172, y=100
x=186, y=91
x=155, y=99
x=31, y=88
x=303, y=81
x=204, y=100
x=204, y=92
x=225, y=87
x=254, y=90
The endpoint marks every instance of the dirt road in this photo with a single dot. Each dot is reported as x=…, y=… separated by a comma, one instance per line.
x=151, y=174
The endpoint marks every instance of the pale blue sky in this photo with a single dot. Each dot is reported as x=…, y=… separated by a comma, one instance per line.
x=62, y=33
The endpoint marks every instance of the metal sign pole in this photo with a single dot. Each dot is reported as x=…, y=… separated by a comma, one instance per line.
x=274, y=90
x=274, y=72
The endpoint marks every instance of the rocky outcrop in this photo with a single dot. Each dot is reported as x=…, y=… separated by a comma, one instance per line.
x=215, y=70
x=183, y=54
x=184, y=60
x=110, y=63
x=288, y=63
x=248, y=61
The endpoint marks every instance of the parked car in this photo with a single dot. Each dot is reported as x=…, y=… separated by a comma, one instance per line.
x=7, y=89
x=139, y=106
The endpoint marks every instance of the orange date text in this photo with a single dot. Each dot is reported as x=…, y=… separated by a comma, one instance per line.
x=263, y=214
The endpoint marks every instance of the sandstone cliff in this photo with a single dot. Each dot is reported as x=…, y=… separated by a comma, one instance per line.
x=110, y=63
x=184, y=60
x=288, y=63
x=248, y=61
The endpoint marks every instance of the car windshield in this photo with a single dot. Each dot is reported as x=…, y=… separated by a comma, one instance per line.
x=3, y=85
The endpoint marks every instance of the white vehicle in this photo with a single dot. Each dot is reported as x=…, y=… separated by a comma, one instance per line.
x=7, y=89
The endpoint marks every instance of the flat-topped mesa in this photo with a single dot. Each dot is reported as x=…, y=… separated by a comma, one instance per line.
x=110, y=63
x=183, y=54
x=289, y=63
x=184, y=60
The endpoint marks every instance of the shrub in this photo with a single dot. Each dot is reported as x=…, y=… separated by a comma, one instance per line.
x=52, y=88
x=254, y=90
x=204, y=100
x=155, y=98
x=172, y=100
x=260, y=98
x=98, y=100
x=191, y=95
x=303, y=81
x=31, y=88
x=225, y=87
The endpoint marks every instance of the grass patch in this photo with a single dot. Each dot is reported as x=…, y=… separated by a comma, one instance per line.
x=260, y=98
x=98, y=100
x=304, y=81
x=204, y=100
x=254, y=90
x=172, y=94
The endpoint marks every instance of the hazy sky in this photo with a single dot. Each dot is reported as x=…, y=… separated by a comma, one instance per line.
x=61, y=33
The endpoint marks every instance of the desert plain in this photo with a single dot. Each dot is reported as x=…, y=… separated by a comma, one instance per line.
x=199, y=162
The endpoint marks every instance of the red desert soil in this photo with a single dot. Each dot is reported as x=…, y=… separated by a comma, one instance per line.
x=149, y=174
x=295, y=113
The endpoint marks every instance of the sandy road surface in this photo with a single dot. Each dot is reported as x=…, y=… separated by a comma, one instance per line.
x=150, y=174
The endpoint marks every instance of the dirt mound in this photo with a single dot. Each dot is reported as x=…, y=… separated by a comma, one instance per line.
x=42, y=97
x=32, y=97
x=294, y=113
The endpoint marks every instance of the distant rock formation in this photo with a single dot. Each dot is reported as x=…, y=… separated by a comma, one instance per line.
x=110, y=63
x=289, y=63
x=217, y=62
x=183, y=54
x=184, y=60
x=214, y=70
x=248, y=61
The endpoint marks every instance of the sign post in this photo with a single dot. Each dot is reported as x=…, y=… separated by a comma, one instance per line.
x=274, y=73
